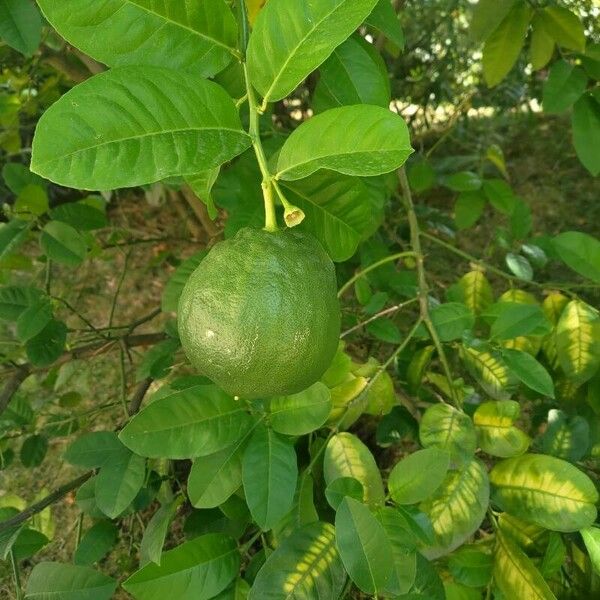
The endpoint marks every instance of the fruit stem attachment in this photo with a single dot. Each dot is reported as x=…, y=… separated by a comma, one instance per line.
x=254, y=132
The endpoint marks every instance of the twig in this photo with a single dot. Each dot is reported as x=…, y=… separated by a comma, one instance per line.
x=415, y=242
x=138, y=396
x=379, y=315
x=199, y=209
x=16, y=576
x=118, y=290
x=12, y=385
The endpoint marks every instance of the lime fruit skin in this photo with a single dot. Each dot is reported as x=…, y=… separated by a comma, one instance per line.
x=260, y=315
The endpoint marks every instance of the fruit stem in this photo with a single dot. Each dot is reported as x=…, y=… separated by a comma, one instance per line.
x=254, y=132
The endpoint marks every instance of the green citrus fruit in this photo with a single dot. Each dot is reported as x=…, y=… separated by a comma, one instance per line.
x=260, y=316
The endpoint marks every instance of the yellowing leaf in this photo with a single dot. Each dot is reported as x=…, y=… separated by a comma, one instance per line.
x=490, y=371
x=515, y=574
x=497, y=434
x=544, y=490
x=347, y=456
x=457, y=508
x=253, y=8
x=474, y=290
x=529, y=536
x=578, y=341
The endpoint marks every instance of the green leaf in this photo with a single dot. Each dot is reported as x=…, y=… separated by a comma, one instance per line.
x=28, y=543
x=384, y=18
x=337, y=209
x=354, y=74
x=448, y=429
x=546, y=491
x=471, y=566
x=214, y=478
x=52, y=580
x=79, y=215
x=31, y=202
x=564, y=26
x=500, y=195
x=63, y=244
x=199, y=38
x=196, y=421
x=338, y=489
x=156, y=532
x=363, y=546
x=578, y=341
x=347, y=456
x=519, y=266
x=119, y=142
x=468, y=209
x=196, y=570
x=421, y=176
x=564, y=437
x=96, y=543
x=529, y=371
x=355, y=140
x=564, y=86
x=305, y=565
x=586, y=132
x=503, y=46
x=34, y=318
x=514, y=572
x=12, y=235
x=202, y=184
x=497, y=435
x=418, y=475
x=463, y=181
x=451, y=320
x=457, y=508
x=94, y=449
x=515, y=318
x=580, y=252
x=490, y=371
x=20, y=25
x=34, y=450
x=177, y=281
x=269, y=473
x=541, y=46
x=487, y=16
x=278, y=63
x=301, y=413
x=17, y=176
x=8, y=536
x=48, y=345
x=119, y=482
x=591, y=539
x=385, y=330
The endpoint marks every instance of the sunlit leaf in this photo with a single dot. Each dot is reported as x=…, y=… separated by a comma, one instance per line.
x=497, y=435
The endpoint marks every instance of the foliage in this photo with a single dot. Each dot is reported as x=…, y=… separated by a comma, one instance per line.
x=450, y=448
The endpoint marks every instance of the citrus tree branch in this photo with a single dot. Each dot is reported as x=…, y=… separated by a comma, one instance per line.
x=415, y=242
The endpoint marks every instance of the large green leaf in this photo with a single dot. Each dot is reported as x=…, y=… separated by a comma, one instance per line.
x=279, y=61
x=586, y=132
x=20, y=25
x=96, y=543
x=199, y=37
x=347, y=456
x=156, y=532
x=384, y=18
x=448, y=429
x=196, y=421
x=63, y=243
x=364, y=546
x=451, y=320
x=564, y=86
x=93, y=449
x=355, y=140
x=544, y=490
x=337, y=208
x=515, y=574
x=51, y=580
x=196, y=570
x=45, y=347
x=214, y=478
x=516, y=318
x=15, y=299
x=130, y=132
x=457, y=508
x=354, y=74
x=306, y=565
x=418, y=475
x=487, y=16
x=564, y=26
x=119, y=482
x=269, y=473
x=580, y=252
x=301, y=413
x=578, y=341
x=503, y=46
x=494, y=423
x=529, y=371
x=541, y=46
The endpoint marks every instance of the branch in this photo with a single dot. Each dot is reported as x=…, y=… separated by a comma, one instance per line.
x=199, y=209
x=12, y=385
x=138, y=396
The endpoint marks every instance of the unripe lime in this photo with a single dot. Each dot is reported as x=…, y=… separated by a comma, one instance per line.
x=260, y=316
